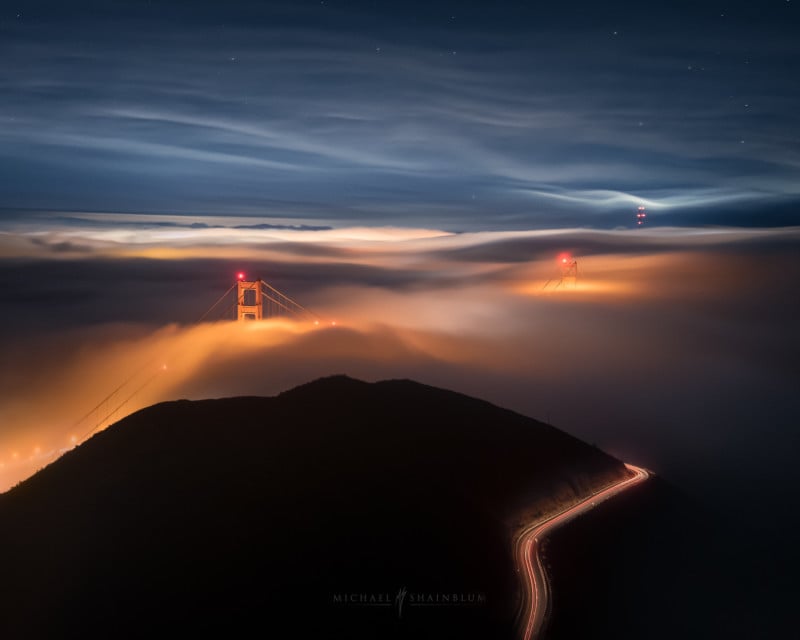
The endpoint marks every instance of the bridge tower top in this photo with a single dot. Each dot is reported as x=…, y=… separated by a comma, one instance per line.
x=569, y=271
x=249, y=299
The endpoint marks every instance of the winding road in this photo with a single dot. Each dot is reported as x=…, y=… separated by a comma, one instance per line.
x=536, y=605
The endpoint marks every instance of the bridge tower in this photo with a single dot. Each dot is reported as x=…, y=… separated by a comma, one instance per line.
x=249, y=299
x=566, y=274
x=569, y=272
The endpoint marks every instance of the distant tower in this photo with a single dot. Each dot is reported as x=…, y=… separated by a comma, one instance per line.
x=569, y=272
x=566, y=275
x=641, y=216
x=249, y=299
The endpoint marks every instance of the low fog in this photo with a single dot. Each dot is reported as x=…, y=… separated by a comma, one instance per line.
x=674, y=349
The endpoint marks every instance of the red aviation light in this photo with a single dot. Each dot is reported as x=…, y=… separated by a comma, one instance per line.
x=240, y=275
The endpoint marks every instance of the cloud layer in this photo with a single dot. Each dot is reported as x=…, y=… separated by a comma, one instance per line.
x=675, y=349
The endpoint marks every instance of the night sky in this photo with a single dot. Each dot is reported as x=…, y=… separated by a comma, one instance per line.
x=412, y=170
x=461, y=115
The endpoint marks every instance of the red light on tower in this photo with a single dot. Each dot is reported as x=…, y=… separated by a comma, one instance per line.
x=566, y=273
x=641, y=215
x=240, y=275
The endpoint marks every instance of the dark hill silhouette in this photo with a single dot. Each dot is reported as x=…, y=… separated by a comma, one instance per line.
x=264, y=514
x=657, y=563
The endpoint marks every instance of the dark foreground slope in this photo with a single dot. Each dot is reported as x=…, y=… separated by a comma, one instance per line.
x=302, y=515
x=655, y=564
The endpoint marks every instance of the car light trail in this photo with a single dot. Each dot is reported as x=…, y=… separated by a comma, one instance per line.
x=536, y=603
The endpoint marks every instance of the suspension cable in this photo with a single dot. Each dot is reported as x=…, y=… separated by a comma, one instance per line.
x=297, y=304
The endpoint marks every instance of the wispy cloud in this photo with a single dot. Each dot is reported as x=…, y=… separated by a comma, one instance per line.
x=291, y=119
